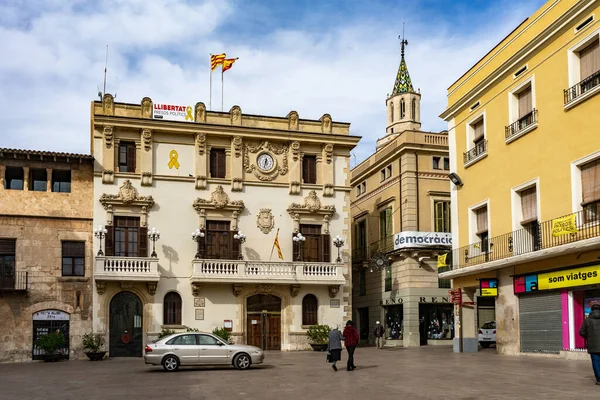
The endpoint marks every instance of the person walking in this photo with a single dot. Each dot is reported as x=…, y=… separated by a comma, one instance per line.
x=590, y=331
x=334, y=346
x=351, y=340
x=379, y=331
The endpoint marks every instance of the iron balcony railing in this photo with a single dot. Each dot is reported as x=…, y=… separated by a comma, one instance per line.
x=521, y=124
x=533, y=237
x=384, y=245
x=359, y=254
x=13, y=281
x=580, y=88
x=479, y=149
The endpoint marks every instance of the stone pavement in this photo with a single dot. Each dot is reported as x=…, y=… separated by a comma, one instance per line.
x=419, y=373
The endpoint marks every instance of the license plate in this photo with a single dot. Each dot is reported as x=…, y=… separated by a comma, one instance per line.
x=487, y=338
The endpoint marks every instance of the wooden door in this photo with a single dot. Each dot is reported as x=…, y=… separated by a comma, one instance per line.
x=254, y=330
x=273, y=331
x=217, y=240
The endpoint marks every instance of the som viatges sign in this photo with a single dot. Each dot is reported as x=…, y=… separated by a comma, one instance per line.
x=565, y=278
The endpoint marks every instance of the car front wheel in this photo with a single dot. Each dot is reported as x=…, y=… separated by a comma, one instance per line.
x=242, y=361
x=170, y=363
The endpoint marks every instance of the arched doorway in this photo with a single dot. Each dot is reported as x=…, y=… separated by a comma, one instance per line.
x=263, y=315
x=126, y=333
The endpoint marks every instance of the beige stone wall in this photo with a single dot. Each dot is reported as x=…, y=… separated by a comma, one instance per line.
x=38, y=252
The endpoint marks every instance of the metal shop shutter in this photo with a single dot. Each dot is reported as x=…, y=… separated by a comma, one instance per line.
x=540, y=320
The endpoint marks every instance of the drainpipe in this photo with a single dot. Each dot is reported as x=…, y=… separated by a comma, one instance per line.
x=400, y=190
x=417, y=188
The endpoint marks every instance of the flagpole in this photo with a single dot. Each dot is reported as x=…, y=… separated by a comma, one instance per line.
x=273, y=248
x=222, y=87
x=210, y=84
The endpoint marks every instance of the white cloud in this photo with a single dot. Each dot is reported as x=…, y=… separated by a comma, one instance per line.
x=55, y=60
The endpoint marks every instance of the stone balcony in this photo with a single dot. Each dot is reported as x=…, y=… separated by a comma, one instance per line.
x=238, y=272
x=126, y=271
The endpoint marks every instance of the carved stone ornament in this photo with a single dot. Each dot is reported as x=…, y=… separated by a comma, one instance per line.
x=295, y=187
x=333, y=290
x=237, y=146
x=100, y=287
x=147, y=139
x=128, y=195
x=293, y=119
x=295, y=151
x=196, y=289
x=146, y=178
x=108, y=136
x=328, y=149
x=200, y=112
x=152, y=288
x=265, y=220
x=201, y=143
x=294, y=290
x=201, y=182
x=146, y=107
x=108, y=176
x=326, y=123
x=312, y=207
x=237, y=289
x=272, y=148
x=236, y=115
x=108, y=104
x=266, y=288
x=237, y=185
x=219, y=200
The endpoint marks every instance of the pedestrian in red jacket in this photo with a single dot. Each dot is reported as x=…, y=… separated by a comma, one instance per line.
x=351, y=339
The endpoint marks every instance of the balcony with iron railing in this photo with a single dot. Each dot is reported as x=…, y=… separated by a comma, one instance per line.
x=478, y=152
x=141, y=269
x=13, y=282
x=546, y=239
x=240, y=271
x=359, y=254
x=582, y=90
x=523, y=125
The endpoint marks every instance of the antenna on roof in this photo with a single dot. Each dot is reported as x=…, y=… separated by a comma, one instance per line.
x=99, y=93
x=404, y=41
x=105, y=69
x=116, y=86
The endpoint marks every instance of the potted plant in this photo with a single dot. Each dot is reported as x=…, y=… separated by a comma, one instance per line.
x=93, y=344
x=319, y=336
x=50, y=344
x=222, y=333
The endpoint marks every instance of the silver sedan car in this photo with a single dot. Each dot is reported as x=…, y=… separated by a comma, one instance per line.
x=200, y=349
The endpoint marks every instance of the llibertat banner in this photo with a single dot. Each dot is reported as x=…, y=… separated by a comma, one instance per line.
x=173, y=112
x=409, y=239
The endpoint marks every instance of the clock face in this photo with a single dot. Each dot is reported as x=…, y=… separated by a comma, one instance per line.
x=265, y=162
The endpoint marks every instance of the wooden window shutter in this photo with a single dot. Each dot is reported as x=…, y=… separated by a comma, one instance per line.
x=235, y=246
x=525, y=103
x=529, y=205
x=325, y=248
x=478, y=131
x=109, y=241
x=218, y=160
x=388, y=222
x=482, y=220
x=143, y=241
x=589, y=60
x=131, y=157
x=590, y=182
x=309, y=169
x=295, y=248
x=7, y=246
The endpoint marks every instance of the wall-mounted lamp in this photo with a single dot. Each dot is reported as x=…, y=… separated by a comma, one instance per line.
x=454, y=178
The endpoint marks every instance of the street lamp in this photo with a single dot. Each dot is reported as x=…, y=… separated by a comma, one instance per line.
x=298, y=238
x=154, y=235
x=197, y=236
x=338, y=242
x=100, y=232
x=242, y=238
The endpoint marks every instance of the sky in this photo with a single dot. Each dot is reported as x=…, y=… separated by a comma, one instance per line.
x=312, y=56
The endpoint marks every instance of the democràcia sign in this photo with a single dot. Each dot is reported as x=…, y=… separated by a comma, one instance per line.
x=412, y=239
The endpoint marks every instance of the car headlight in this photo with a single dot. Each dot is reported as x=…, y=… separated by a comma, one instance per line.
x=257, y=351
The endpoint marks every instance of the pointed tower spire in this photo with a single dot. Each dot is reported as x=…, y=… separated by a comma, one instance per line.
x=403, y=83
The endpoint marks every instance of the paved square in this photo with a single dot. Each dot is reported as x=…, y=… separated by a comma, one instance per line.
x=420, y=373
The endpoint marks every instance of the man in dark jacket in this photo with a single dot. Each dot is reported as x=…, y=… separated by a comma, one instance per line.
x=378, y=333
x=351, y=340
x=590, y=331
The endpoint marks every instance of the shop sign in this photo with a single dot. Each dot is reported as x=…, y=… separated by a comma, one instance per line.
x=565, y=278
x=404, y=240
x=488, y=287
x=173, y=112
x=50, y=315
x=400, y=300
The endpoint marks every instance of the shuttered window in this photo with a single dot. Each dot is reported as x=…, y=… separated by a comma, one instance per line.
x=172, y=309
x=217, y=163
x=126, y=157
x=73, y=258
x=309, y=310
x=589, y=60
x=442, y=216
x=478, y=133
x=525, y=102
x=529, y=205
x=482, y=220
x=309, y=169
x=316, y=247
x=129, y=238
x=590, y=182
x=385, y=223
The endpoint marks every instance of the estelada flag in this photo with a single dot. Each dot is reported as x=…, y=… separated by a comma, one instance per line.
x=216, y=59
x=228, y=63
x=276, y=243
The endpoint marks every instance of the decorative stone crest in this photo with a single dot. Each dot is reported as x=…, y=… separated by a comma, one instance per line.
x=294, y=290
x=128, y=195
x=218, y=200
x=326, y=123
x=328, y=150
x=266, y=146
x=108, y=104
x=312, y=207
x=108, y=136
x=236, y=115
x=147, y=139
x=201, y=143
x=237, y=146
x=146, y=107
x=295, y=151
x=293, y=119
x=200, y=112
x=265, y=220
x=237, y=289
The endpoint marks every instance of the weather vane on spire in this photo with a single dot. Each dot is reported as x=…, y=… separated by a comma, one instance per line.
x=403, y=41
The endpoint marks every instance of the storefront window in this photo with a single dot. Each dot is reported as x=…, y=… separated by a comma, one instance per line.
x=394, y=318
x=438, y=320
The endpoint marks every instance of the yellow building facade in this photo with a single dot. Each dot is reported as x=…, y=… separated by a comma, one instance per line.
x=523, y=137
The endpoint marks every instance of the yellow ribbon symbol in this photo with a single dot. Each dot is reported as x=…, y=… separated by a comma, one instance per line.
x=188, y=114
x=173, y=159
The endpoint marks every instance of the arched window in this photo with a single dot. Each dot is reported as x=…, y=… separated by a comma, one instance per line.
x=392, y=112
x=402, y=109
x=413, y=109
x=309, y=310
x=172, y=309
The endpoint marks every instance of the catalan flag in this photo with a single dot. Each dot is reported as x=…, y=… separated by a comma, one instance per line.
x=276, y=245
x=228, y=63
x=216, y=60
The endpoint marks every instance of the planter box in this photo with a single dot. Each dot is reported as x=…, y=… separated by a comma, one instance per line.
x=318, y=347
x=96, y=356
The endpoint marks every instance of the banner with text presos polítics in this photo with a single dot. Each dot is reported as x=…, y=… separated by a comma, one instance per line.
x=173, y=112
x=404, y=240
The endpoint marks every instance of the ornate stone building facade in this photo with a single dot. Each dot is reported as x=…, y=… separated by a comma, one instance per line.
x=237, y=182
x=45, y=250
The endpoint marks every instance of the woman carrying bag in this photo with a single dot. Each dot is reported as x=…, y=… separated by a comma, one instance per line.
x=334, y=347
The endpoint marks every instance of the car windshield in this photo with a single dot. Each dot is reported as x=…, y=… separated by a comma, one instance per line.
x=489, y=325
